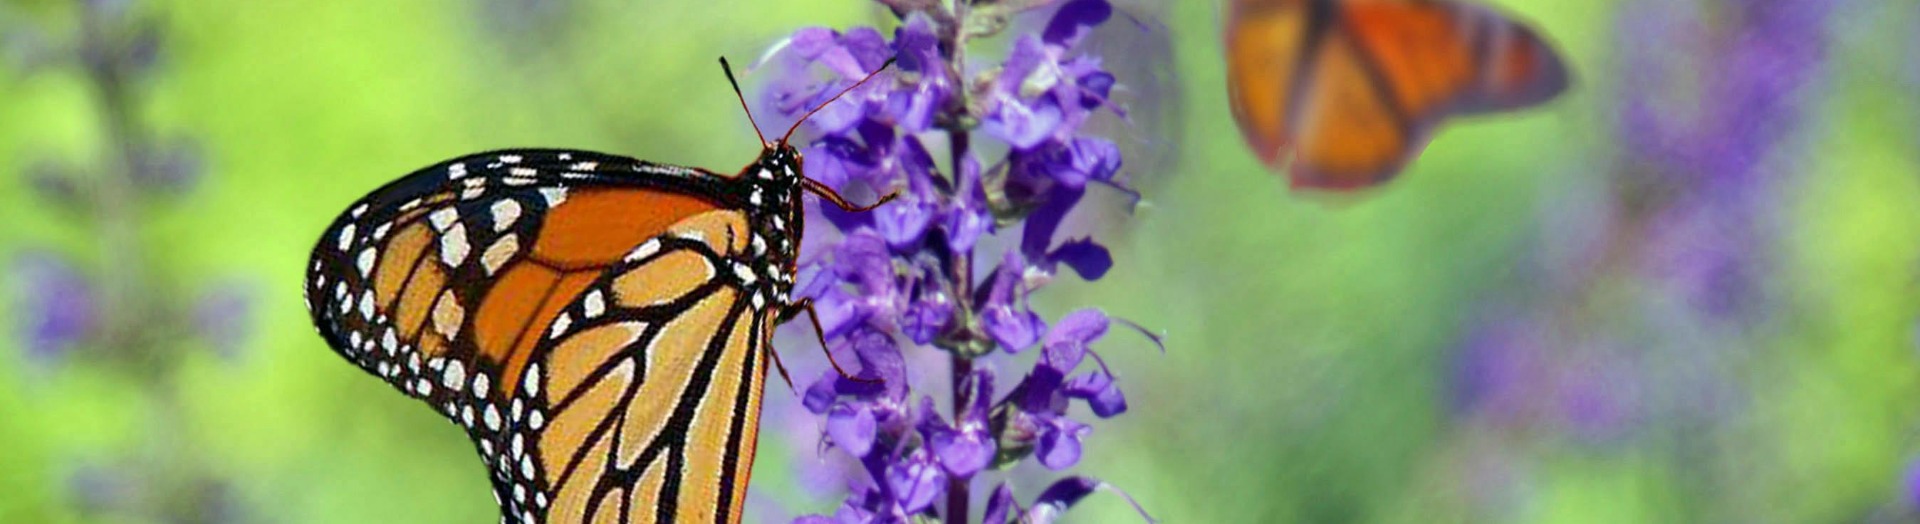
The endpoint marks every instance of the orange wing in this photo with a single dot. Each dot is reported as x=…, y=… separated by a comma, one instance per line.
x=1352, y=88
x=579, y=314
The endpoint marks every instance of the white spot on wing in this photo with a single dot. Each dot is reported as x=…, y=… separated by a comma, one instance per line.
x=593, y=303
x=560, y=325
x=443, y=218
x=553, y=195
x=522, y=171
x=346, y=237
x=365, y=262
x=453, y=246
x=455, y=375
x=511, y=159
x=645, y=251
x=359, y=210
x=505, y=212
x=532, y=381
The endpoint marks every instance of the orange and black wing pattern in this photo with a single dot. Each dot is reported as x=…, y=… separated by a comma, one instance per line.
x=596, y=323
x=1348, y=91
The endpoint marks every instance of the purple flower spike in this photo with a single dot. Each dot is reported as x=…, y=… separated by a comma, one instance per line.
x=907, y=276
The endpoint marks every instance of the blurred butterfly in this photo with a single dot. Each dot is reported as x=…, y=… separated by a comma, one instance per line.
x=598, y=324
x=1350, y=89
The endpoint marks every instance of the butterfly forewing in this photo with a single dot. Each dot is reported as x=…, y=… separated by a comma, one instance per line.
x=584, y=316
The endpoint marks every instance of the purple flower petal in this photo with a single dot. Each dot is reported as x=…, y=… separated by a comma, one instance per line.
x=1014, y=329
x=1059, y=446
x=1024, y=125
x=904, y=221
x=966, y=447
x=1088, y=259
x=852, y=427
x=1074, y=20
x=1095, y=88
x=811, y=42
x=1039, y=393
x=969, y=217
x=880, y=359
x=1100, y=392
x=916, y=481
x=1066, y=343
x=1069, y=491
x=820, y=395
x=927, y=317
x=1000, y=505
x=963, y=451
x=1092, y=159
x=1026, y=57
x=1037, y=236
x=918, y=46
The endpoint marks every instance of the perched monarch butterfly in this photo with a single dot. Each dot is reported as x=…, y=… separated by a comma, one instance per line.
x=596, y=323
x=1352, y=87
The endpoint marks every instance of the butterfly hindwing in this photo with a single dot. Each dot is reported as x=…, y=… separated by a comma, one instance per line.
x=653, y=377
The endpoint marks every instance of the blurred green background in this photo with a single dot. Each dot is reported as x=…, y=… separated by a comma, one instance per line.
x=1513, y=331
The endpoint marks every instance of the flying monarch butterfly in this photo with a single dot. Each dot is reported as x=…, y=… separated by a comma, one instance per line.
x=1351, y=88
x=596, y=323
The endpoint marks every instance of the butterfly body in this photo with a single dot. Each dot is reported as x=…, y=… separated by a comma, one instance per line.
x=598, y=324
x=1344, y=92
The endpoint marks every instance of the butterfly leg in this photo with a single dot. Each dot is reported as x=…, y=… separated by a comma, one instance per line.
x=834, y=197
x=806, y=305
x=782, y=368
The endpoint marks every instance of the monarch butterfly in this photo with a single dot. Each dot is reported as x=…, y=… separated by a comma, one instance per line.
x=1352, y=87
x=596, y=323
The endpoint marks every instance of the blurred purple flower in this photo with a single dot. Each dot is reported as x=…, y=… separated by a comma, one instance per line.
x=1910, y=484
x=57, y=305
x=224, y=317
x=1706, y=126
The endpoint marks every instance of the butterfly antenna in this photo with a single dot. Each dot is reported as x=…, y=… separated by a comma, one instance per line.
x=743, y=101
x=830, y=101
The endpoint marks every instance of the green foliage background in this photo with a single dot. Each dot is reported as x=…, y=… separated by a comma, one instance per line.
x=1308, y=338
